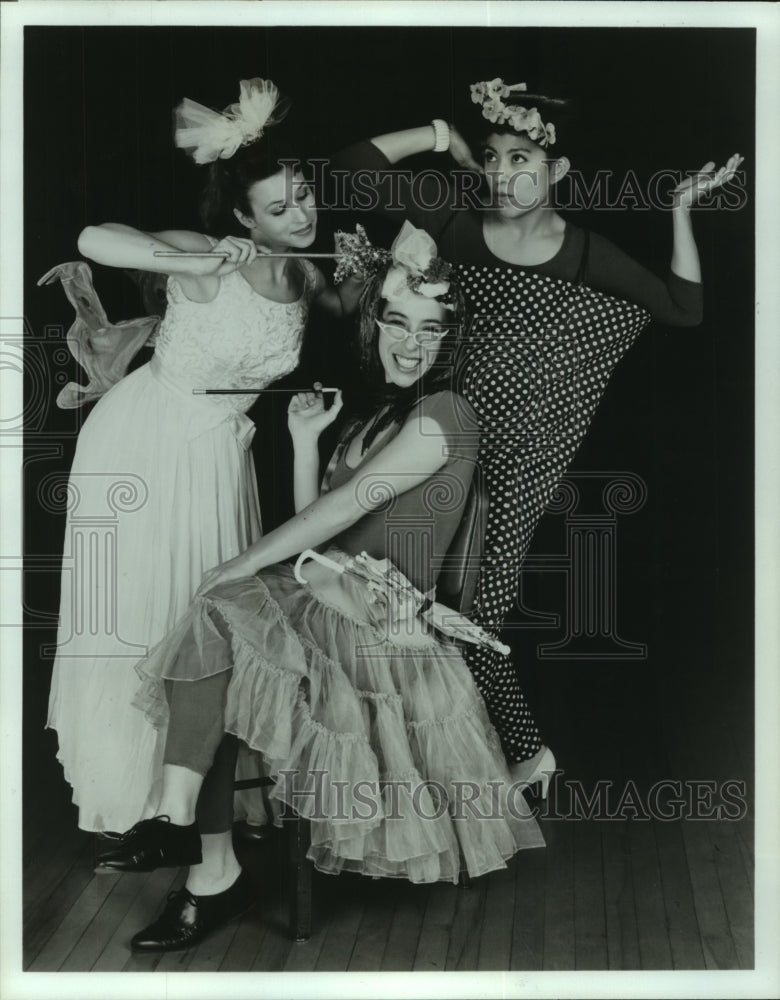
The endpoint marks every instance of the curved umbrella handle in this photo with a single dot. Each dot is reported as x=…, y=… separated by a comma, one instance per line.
x=317, y=557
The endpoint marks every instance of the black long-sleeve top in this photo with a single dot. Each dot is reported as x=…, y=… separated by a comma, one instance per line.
x=459, y=237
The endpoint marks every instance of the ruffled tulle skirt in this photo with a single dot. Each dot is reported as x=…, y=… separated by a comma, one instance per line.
x=373, y=730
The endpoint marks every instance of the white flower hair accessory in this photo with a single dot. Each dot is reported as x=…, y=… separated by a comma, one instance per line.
x=489, y=94
x=209, y=135
x=416, y=268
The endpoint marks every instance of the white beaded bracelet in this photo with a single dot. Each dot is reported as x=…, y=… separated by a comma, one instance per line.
x=441, y=131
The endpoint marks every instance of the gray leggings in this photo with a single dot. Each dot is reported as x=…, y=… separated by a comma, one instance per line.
x=197, y=740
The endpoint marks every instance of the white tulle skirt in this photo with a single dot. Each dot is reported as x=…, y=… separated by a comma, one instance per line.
x=378, y=736
x=161, y=489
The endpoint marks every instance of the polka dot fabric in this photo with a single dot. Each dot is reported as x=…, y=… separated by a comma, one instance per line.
x=537, y=358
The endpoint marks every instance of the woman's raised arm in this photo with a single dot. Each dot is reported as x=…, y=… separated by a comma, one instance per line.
x=117, y=245
x=411, y=141
x=685, y=255
x=407, y=142
x=307, y=418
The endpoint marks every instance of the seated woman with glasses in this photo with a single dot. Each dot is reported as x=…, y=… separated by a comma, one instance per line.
x=349, y=683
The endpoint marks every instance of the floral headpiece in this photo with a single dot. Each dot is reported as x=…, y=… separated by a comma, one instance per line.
x=488, y=93
x=416, y=268
x=208, y=135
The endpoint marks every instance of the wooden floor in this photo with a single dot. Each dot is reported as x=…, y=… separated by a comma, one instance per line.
x=603, y=894
x=600, y=896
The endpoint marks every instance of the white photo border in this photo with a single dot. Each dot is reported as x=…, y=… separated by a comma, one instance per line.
x=765, y=980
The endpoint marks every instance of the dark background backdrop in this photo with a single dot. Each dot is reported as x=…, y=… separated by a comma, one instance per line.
x=678, y=412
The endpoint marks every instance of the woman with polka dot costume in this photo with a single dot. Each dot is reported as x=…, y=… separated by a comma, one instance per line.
x=553, y=307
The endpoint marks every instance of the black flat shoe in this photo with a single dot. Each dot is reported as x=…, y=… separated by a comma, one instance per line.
x=187, y=919
x=150, y=844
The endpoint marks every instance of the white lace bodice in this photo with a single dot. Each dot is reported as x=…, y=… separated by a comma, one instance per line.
x=237, y=340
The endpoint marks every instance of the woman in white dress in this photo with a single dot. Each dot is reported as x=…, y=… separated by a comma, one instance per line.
x=170, y=468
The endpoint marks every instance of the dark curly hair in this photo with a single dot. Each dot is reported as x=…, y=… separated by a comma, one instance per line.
x=383, y=402
x=229, y=180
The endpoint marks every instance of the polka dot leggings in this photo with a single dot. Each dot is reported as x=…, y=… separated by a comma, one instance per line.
x=535, y=381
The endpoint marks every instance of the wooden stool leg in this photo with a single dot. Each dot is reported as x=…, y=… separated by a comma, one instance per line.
x=299, y=838
x=464, y=880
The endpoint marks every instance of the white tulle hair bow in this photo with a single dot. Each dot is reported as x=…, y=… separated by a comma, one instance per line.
x=416, y=269
x=209, y=135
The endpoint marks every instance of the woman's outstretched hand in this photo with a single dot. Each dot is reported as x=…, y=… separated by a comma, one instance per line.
x=233, y=569
x=460, y=152
x=306, y=414
x=688, y=193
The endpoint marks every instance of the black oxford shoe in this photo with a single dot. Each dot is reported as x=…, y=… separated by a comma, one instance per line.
x=187, y=919
x=150, y=844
